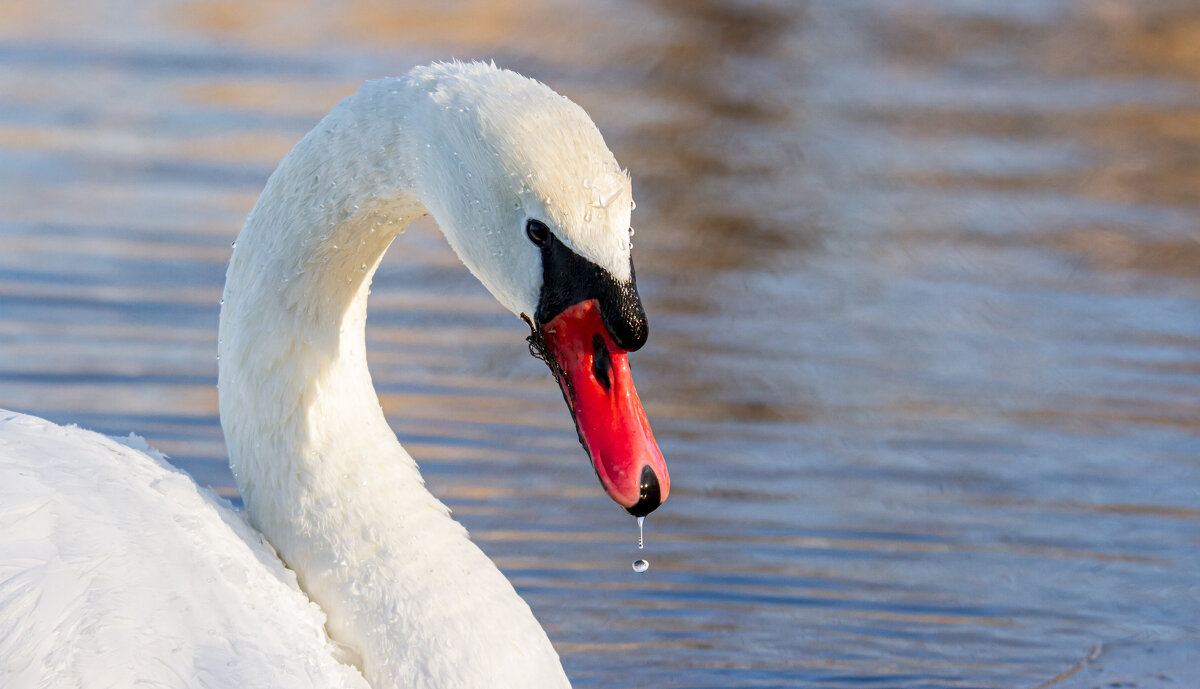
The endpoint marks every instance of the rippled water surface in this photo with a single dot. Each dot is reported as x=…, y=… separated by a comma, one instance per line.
x=924, y=288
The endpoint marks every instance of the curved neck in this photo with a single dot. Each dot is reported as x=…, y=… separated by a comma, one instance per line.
x=320, y=471
x=292, y=375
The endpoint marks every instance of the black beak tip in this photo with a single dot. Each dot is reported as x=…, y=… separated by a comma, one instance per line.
x=650, y=495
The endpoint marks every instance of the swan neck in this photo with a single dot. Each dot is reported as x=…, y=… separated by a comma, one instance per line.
x=319, y=469
x=296, y=397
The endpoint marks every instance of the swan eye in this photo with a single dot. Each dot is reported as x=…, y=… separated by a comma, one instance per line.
x=538, y=232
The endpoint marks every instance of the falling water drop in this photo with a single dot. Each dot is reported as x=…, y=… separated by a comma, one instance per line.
x=641, y=565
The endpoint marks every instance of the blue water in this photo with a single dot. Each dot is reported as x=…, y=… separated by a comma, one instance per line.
x=923, y=280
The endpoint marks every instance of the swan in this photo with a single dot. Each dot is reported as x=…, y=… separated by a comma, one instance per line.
x=117, y=570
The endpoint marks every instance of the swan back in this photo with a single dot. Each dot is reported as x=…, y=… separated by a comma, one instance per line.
x=171, y=589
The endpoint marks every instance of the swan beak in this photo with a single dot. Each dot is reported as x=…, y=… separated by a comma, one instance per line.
x=593, y=373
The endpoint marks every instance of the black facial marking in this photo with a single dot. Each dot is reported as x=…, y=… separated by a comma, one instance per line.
x=601, y=362
x=569, y=279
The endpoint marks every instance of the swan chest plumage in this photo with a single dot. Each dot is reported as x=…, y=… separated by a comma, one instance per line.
x=116, y=569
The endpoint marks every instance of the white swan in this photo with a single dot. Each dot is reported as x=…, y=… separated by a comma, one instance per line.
x=117, y=570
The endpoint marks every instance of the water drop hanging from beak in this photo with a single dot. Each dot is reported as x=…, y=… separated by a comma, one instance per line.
x=641, y=565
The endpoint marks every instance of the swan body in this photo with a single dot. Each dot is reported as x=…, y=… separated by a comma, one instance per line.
x=115, y=567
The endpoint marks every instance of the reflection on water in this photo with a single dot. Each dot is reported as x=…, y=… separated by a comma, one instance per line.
x=924, y=279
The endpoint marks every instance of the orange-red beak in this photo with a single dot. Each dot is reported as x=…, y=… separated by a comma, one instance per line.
x=595, y=379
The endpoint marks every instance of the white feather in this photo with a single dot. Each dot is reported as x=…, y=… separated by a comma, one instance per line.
x=116, y=570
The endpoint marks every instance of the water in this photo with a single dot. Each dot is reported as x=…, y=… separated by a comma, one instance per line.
x=640, y=565
x=922, y=282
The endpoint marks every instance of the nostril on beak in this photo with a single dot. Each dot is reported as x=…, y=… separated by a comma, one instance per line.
x=650, y=494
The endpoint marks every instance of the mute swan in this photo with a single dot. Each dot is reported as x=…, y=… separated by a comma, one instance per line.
x=117, y=570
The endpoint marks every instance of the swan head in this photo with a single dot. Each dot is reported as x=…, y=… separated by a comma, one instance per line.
x=533, y=202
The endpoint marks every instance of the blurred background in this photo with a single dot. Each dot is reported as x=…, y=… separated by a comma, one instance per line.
x=923, y=279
